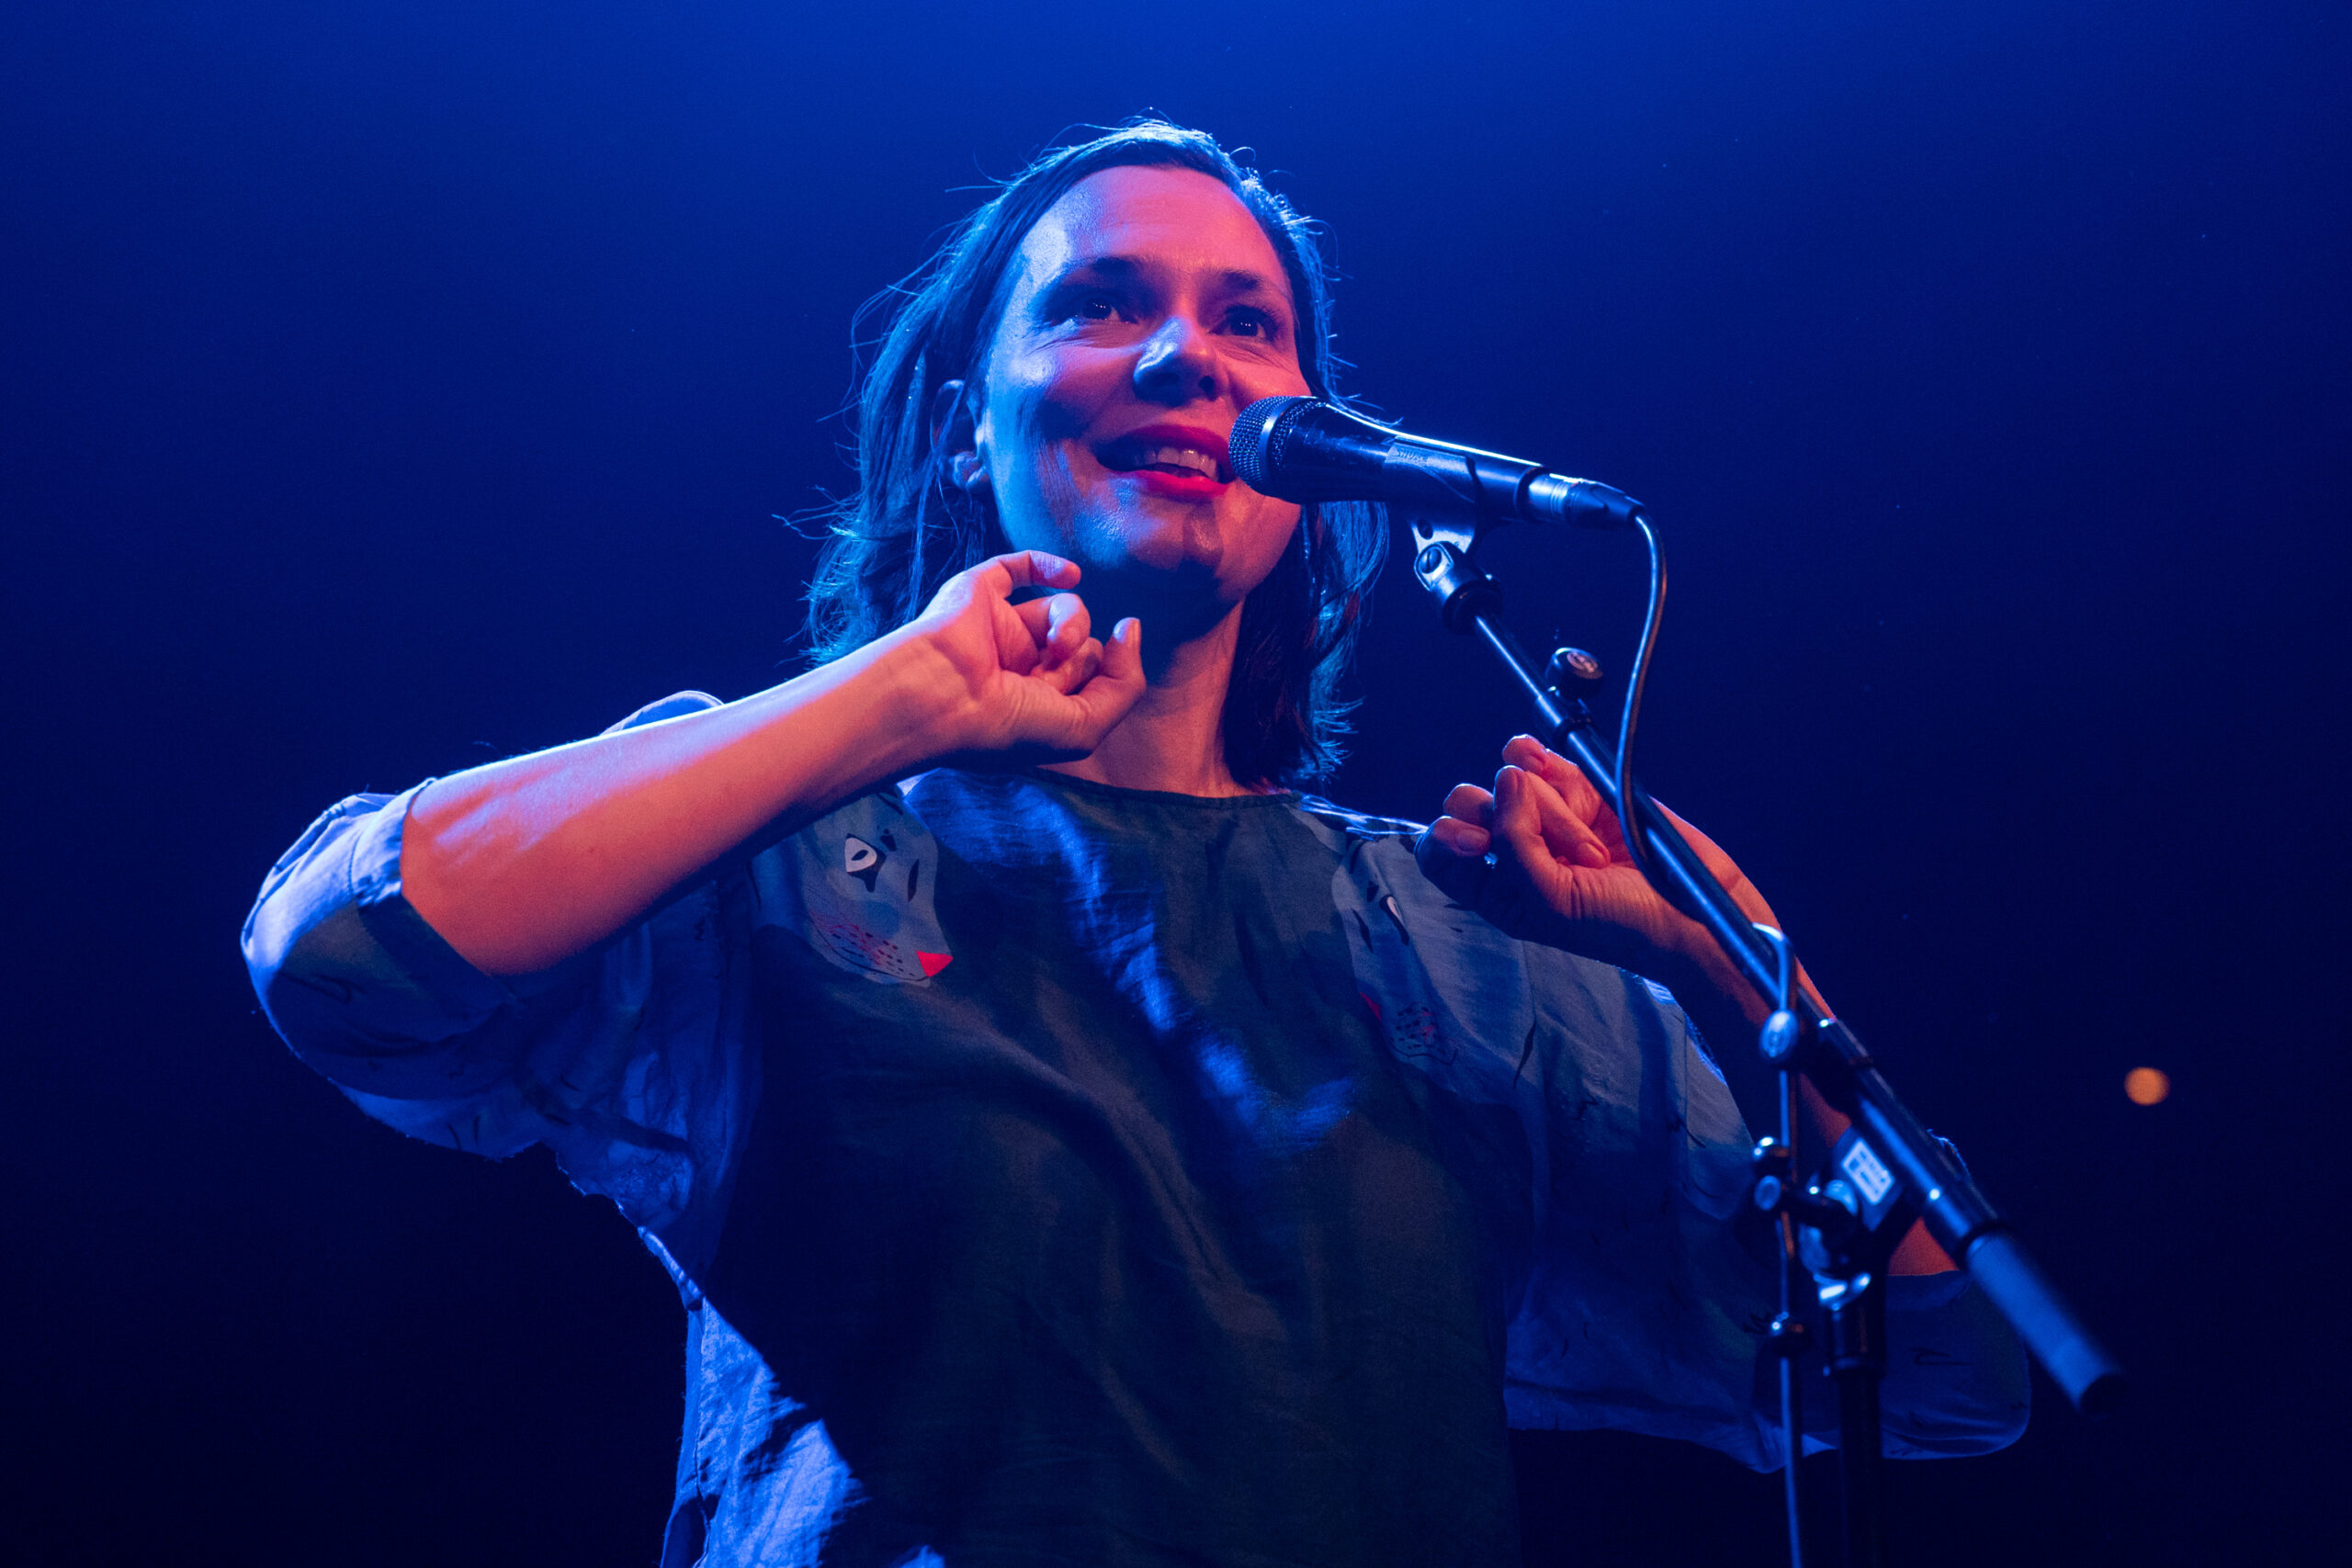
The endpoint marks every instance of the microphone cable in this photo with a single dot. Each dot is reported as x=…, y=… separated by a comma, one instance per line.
x=1629, y=717
x=1629, y=720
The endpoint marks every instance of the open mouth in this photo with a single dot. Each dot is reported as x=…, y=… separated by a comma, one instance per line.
x=1174, y=451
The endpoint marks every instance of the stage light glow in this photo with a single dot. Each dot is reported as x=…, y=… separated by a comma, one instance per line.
x=2146, y=1086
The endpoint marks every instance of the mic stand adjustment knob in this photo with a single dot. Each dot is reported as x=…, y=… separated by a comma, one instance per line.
x=1571, y=673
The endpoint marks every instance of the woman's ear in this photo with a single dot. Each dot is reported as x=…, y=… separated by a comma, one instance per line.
x=953, y=434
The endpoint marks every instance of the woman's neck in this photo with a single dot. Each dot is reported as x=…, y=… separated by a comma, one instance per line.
x=1173, y=740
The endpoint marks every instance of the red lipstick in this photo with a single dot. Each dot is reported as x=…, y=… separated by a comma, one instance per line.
x=1132, y=456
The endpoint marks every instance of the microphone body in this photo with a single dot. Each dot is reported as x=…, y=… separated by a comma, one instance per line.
x=1304, y=449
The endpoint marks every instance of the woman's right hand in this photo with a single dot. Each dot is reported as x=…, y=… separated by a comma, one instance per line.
x=1027, y=681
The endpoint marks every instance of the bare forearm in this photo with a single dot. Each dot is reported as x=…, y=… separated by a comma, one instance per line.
x=524, y=863
x=521, y=864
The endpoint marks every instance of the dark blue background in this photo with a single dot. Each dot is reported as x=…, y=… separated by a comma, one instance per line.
x=390, y=386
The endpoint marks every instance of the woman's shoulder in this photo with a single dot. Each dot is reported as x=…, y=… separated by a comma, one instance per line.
x=1357, y=824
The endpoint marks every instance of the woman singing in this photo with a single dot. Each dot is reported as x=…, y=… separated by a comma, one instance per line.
x=1073, y=1145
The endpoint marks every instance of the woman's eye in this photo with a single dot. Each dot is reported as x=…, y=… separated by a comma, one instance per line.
x=1249, y=323
x=1097, y=307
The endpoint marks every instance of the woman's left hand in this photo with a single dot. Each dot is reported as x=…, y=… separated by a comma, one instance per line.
x=1562, y=875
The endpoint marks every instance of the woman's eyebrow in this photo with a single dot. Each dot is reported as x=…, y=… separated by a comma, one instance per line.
x=1086, y=272
x=1101, y=267
x=1248, y=285
x=1232, y=280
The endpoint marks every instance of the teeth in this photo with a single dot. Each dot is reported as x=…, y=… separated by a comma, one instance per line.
x=1182, y=457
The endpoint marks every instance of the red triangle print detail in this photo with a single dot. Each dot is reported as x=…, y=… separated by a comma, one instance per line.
x=932, y=963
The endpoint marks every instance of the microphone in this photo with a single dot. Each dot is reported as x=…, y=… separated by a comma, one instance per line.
x=1305, y=449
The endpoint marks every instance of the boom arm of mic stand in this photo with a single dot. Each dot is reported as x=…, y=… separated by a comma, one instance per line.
x=1957, y=1214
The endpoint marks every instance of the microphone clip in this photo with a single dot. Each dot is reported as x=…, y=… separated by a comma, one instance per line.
x=1442, y=564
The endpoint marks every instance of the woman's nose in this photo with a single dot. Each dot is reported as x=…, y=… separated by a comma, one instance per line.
x=1177, y=364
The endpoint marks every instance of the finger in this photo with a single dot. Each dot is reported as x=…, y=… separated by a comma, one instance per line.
x=1564, y=776
x=1113, y=687
x=1074, y=670
x=1046, y=620
x=1036, y=618
x=1122, y=655
x=1567, y=836
x=1470, y=804
x=1460, y=877
x=1069, y=627
x=1021, y=632
x=1456, y=836
x=1575, y=790
x=1029, y=569
x=1518, y=824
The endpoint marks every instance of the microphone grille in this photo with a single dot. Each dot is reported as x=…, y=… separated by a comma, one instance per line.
x=1259, y=437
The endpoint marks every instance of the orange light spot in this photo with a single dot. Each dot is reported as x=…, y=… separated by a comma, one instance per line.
x=2146, y=1086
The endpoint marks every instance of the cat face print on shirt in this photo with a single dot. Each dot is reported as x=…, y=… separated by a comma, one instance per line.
x=857, y=886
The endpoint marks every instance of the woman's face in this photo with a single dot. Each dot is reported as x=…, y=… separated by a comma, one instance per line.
x=1147, y=308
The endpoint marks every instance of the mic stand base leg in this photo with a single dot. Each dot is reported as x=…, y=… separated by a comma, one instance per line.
x=1857, y=1360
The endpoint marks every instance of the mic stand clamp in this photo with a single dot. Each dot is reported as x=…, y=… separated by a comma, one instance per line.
x=1442, y=564
x=1844, y=1242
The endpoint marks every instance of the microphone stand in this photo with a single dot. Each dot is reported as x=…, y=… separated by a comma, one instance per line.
x=1841, y=1225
